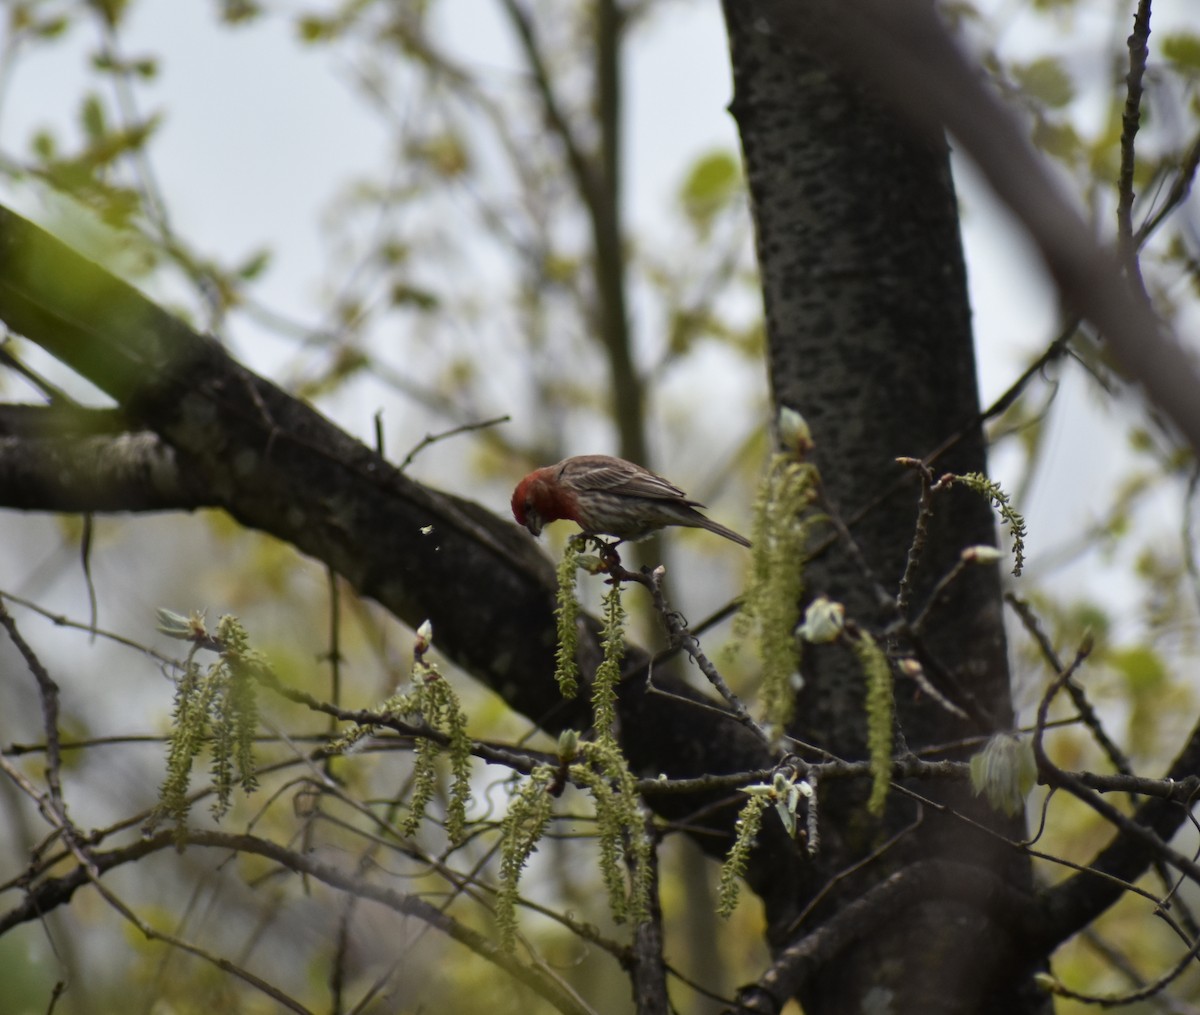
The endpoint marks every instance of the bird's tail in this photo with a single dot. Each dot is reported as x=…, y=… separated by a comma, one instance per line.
x=721, y=530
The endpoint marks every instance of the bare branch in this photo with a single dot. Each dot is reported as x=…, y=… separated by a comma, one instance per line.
x=1139, y=53
x=53, y=892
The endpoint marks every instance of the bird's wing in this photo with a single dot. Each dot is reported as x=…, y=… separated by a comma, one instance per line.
x=599, y=472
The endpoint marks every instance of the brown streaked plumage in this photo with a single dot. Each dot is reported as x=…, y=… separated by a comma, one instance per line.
x=608, y=496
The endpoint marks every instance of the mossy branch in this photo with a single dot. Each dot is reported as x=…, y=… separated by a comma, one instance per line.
x=566, y=615
x=608, y=673
x=734, y=868
x=621, y=826
x=218, y=708
x=599, y=768
x=783, y=524
x=529, y=811
x=881, y=709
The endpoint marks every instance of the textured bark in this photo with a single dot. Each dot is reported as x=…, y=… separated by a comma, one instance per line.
x=95, y=472
x=869, y=338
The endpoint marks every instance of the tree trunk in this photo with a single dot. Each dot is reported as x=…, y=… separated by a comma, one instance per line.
x=869, y=337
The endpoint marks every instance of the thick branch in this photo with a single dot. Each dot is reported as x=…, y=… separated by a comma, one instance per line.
x=128, y=472
x=887, y=903
x=277, y=465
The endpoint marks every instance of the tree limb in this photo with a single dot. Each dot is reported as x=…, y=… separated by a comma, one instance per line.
x=277, y=465
x=888, y=901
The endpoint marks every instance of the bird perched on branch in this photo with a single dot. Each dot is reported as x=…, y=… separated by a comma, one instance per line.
x=609, y=496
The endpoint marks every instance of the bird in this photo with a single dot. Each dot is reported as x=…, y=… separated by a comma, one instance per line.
x=608, y=496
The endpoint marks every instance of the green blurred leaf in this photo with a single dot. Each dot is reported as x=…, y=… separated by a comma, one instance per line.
x=394, y=252
x=1046, y=80
x=312, y=28
x=91, y=117
x=560, y=268
x=111, y=10
x=1182, y=50
x=144, y=67
x=1140, y=666
x=404, y=294
x=50, y=28
x=235, y=12
x=44, y=145
x=710, y=184
x=254, y=265
x=444, y=152
x=1057, y=139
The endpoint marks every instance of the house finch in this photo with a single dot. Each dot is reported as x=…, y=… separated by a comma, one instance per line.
x=607, y=495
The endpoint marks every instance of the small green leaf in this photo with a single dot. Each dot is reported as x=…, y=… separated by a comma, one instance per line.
x=406, y=295
x=50, y=28
x=710, y=185
x=311, y=28
x=234, y=12
x=173, y=625
x=1182, y=51
x=91, y=116
x=446, y=153
x=254, y=265
x=1045, y=80
x=1060, y=140
x=44, y=146
x=111, y=10
x=1141, y=667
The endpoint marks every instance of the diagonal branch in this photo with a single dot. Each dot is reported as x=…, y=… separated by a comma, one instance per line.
x=886, y=901
x=1140, y=841
x=277, y=465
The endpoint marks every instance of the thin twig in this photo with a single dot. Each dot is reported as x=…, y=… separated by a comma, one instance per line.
x=678, y=633
x=920, y=533
x=1052, y=775
x=1176, y=195
x=452, y=432
x=1139, y=53
x=57, y=890
x=48, y=694
x=854, y=868
x=61, y=620
x=1079, y=698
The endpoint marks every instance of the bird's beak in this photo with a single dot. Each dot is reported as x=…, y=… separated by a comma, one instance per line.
x=533, y=522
